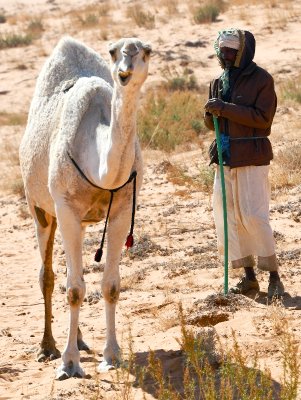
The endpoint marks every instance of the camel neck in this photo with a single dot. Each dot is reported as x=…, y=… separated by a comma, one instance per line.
x=124, y=111
x=121, y=142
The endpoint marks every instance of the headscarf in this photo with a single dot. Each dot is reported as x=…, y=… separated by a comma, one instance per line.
x=229, y=39
x=245, y=53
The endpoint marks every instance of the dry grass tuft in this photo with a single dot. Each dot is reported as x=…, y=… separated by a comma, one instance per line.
x=92, y=16
x=12, y=119
x=35, y=28
x=286, y=169
x=23, y=211
x=206, y=369
x=208, y=12
x=2, y=18
x=10, y=40
x=178, y=175
x=11, y=179
x=289, y=349
x=142, y=18
x=168, y=119
x=171, y=6
x=291, y=90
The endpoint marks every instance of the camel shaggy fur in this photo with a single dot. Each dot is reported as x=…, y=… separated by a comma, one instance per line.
x=78, y=112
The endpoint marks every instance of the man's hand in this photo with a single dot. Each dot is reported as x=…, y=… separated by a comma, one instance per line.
x=214, y=106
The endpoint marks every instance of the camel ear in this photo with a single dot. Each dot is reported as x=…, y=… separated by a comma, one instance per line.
x=147, y=51
x=113, y=51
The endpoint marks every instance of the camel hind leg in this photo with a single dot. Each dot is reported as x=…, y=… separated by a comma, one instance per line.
x=45, y=230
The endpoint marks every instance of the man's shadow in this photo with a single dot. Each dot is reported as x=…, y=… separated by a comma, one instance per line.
x=167, y=371
x=286, y=301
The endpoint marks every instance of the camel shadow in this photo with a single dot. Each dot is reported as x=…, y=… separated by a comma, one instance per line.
x=172, y=364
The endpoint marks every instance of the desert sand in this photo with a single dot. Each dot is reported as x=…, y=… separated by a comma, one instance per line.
x=175, y=256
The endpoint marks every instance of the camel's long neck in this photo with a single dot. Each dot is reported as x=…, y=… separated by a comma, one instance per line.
x=117, y=161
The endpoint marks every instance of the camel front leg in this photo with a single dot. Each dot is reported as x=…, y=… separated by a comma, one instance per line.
x=45, y=231
x=71, y=231
x=117, y=231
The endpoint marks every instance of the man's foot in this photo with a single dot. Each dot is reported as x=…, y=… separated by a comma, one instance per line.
x=245, y=286
x=275, y=289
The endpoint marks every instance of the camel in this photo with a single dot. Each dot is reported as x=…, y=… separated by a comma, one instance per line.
x=79, y=148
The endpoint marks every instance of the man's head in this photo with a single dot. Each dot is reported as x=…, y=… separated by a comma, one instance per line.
x=228, y=43
x=235, y=47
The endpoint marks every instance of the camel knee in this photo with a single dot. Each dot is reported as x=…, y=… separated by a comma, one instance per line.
x=111, y=291
x=75, y=295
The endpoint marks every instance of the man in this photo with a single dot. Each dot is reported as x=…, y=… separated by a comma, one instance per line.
x=244, y=100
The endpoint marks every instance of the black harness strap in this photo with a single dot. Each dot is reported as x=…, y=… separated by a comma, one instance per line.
x=130, y=240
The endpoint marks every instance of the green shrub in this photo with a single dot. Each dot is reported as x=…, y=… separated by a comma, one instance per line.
x=185, y=82
x=208, y=12
x=14, y=40
x=168, y=119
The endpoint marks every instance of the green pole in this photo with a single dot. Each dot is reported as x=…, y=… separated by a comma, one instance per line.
x=220, y=161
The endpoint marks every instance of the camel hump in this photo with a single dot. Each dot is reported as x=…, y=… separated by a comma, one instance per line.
x=88, y=92
x=69, y=61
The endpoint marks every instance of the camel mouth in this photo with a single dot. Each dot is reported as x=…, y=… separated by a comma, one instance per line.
x=124, y=77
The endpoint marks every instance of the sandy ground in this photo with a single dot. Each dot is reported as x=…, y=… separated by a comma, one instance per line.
x=175, y=256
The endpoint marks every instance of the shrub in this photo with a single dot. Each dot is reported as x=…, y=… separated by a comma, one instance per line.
x=185, y=82
x=14, y=40
x=207, y=13
x=88, y=20
x=168, y=119
x=2, y=18
x=11, y=119
x=210, y=370
x=286, y=170
x=171, y=6
x=140, y=17
x=17, y=187
x=35, y=28
x=291, y=90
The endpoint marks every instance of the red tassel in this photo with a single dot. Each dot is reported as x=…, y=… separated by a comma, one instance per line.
x=129, y=241
x=98, y=255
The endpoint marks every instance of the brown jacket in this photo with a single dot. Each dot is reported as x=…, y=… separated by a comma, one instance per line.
x=250, y=113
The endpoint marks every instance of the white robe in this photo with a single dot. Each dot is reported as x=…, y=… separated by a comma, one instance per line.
x=249, y=230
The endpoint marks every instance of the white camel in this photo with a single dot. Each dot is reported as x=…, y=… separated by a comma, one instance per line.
x=79, y=145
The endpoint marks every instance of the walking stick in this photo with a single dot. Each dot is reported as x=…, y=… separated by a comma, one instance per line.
x=220, y=161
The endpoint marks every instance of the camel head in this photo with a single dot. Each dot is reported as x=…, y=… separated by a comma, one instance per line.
x=129, y=62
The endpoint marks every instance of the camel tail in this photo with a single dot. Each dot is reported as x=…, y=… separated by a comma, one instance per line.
x=69, y=61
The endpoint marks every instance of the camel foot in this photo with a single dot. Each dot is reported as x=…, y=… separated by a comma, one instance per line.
x=51, y=353
x=66, y=371
x=104, y=366
x=82, y=345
